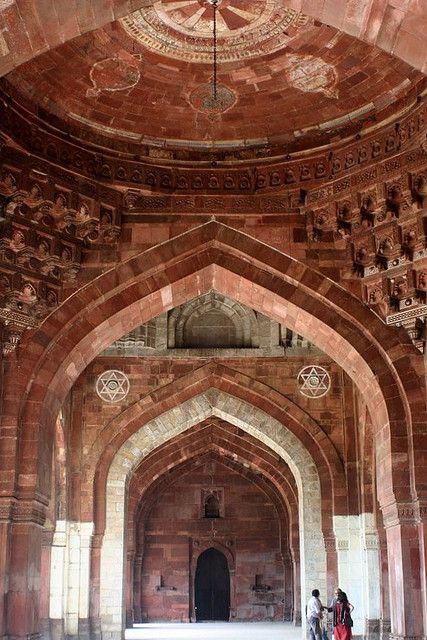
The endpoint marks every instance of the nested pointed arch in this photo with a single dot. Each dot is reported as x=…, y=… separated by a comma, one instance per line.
x=282, y=497
x=214, y=375
x=381, y=361
x=179, y=419
x=231, y=447
x=196, y=456
x=398, y=28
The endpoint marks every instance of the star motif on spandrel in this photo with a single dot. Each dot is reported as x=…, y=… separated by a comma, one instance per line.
x=112, y=386
x=314, y=381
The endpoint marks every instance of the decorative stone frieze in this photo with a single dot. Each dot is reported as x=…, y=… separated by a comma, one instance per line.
x=270, y=172
x=370, y=540
x=404, y=513
x=31, y=511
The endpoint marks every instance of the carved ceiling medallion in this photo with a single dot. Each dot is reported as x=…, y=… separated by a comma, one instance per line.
x=203, y=99
x=183, y=28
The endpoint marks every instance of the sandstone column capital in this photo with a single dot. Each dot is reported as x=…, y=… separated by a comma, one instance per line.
x=404, y=513
x=23, y=511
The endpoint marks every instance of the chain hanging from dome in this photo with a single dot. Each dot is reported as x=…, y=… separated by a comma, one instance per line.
x=215, y=4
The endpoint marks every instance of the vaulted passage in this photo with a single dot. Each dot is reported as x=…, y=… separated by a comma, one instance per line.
x=213, y=317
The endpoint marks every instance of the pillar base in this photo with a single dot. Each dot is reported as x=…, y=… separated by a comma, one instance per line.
x=372, y=629
x=95, y=629
x=297, y=619
x=394, y=636
x=57, y=629
x=287, y=615
x=385, y=629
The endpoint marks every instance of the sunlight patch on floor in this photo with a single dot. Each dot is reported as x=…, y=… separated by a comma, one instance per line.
x=215, y=631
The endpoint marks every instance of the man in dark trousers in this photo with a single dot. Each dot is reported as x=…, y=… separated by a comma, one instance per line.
x=314, y=615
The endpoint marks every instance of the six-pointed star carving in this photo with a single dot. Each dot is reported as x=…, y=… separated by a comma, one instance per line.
x=315, y=381
x=112, y=386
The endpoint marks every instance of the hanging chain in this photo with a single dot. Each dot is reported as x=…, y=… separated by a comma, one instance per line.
x=214, y=4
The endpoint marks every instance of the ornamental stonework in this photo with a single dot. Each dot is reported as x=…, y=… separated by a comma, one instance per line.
x=345, y=168
x=46, y=225
x=112, y=386
x=313, y=381
x=212, y=101
x=184, y=30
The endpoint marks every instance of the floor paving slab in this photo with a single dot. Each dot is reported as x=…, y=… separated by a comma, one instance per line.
x=215, y=631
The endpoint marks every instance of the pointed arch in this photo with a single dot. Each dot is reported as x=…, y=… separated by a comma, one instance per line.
x=216, y=376
x=164, y=428
x=382, y=362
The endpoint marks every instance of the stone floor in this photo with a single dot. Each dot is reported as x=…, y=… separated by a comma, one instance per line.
x=215, y=631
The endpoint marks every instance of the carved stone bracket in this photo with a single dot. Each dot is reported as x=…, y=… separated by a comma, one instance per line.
x=14, y=325
x=31, y=511
x=44, y=229
x=404, y=513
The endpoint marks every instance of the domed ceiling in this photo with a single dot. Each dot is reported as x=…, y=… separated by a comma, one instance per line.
x=282, y=79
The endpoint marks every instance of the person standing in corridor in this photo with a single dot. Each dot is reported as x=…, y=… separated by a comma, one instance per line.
x=341, y=610
x=314, y=615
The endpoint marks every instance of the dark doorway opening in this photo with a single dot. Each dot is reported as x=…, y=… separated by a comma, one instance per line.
x=212, y=586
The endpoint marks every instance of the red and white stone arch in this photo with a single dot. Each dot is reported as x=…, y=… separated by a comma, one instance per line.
x=216, y=441
x=164, y=428
x=383, y=365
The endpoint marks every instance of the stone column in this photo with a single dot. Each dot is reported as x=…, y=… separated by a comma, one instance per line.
x=137, y=594
x=77, y=613
x=313, y=566
x=47, y=538
x=332, y=566
x=129, y=573
x=371, y=577
x=385, y=625
x=351, y=570
x=112, y=561
x=406, y=566
x=23, y=596
x=95, y=569
x=288, y=590
x=58, y=580
x=297, y=590
x=12, y=392
x=422, y=533
x=6, y=505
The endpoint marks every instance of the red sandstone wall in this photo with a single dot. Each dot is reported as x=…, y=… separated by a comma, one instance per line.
x=148, y=374
x=176, y=533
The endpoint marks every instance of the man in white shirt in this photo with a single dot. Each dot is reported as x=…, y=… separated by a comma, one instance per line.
x=314, y=615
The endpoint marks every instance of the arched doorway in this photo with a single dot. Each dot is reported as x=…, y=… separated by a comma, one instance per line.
x=212, y=586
